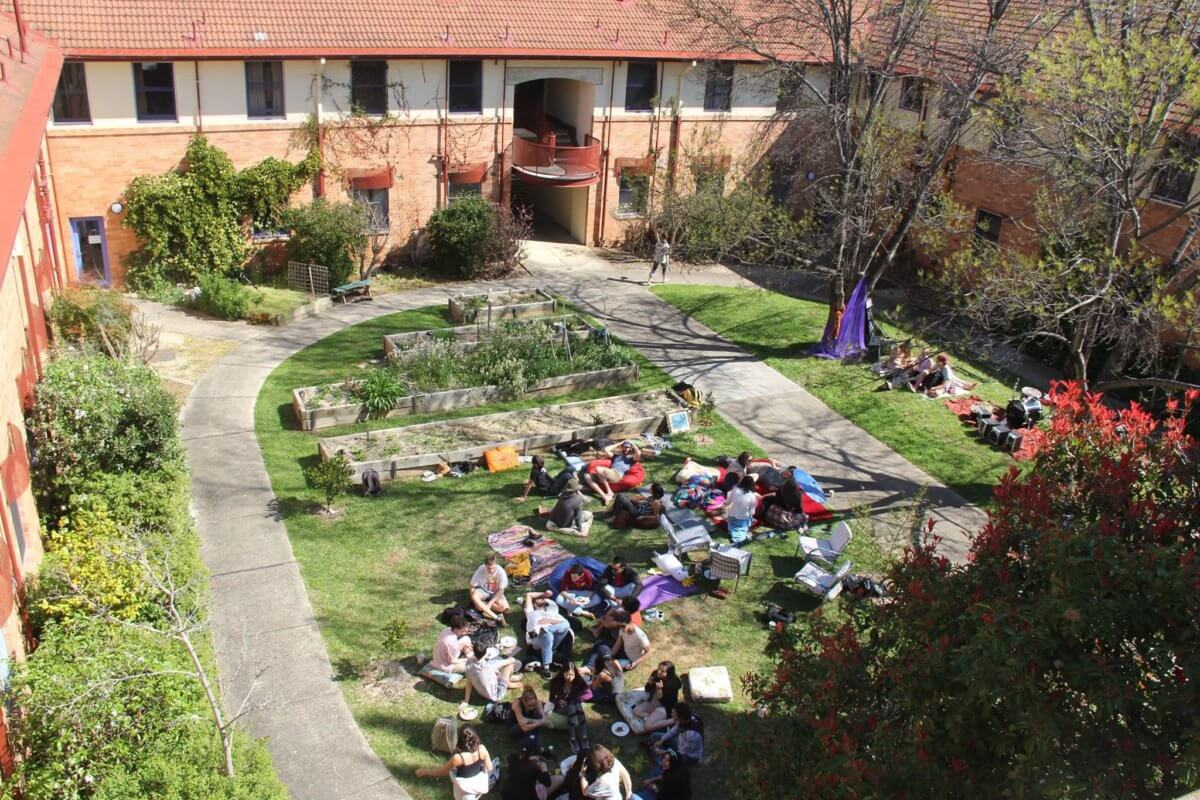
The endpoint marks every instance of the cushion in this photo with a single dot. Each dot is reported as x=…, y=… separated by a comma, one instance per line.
x=635, y=477
x=710, y=685
x=450, y=680
x=625, y=704
x=590, y=564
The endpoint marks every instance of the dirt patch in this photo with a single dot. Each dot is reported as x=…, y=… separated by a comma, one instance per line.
x=455, y=434
x=193, y=356
x=389, y=680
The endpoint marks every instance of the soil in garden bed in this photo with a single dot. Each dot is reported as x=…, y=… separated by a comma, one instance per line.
x=469, y=432
x=507, y=299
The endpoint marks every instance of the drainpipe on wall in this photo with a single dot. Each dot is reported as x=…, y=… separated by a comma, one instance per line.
x=502, y=176
x=317, y=115
x=655, y=137
x=605, y=146
x=45, y=218
x=199, y=107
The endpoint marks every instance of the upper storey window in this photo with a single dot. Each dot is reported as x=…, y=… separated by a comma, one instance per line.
x=154, y=84
x=71, y=97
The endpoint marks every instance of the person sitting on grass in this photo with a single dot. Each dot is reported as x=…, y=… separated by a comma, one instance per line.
x=784, y=510
x=578, y=593
x=685, y=736
x=491, y=677
x=545, y=630
x=453, y=645
x=740, y=507
x=620, y=580
x=609, y=780
x=526, y=772
x=472, y=773
x=601, y=479
x=527, y=720
x=487, y=590
x=568, y=514
x=568, y=692
x=605, y=676
x=539, y=478
x=662, y=693
x=608, y=628
x=632, y=647
x=636, y=509
x=673, y=781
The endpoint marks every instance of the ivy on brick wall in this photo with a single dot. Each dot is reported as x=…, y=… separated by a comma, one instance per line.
x=197, y=219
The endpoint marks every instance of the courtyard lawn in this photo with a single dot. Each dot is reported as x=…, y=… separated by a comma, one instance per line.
x=411, y=552
x=781, y=329
x=276, y=304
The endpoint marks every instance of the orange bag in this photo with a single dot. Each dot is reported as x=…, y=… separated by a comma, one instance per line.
x=500, y=459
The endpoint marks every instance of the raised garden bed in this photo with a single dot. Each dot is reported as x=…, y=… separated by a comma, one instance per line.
x=396, y=452
x=466, y=338
x=505, y=304
x=333, y=404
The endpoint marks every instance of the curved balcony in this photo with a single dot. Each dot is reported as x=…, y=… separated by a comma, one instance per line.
x=546, y=162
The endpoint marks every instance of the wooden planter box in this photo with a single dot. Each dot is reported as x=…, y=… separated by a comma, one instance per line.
x=393, y=467
x=312, y=419
x=459, y=311
x=465, y=338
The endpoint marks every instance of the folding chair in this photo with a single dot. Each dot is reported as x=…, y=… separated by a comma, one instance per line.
x=821, y=583
x=827, y=550
x=729, y=563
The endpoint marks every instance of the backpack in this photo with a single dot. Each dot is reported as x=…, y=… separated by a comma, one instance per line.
x=1014, y=414
x=500, y=713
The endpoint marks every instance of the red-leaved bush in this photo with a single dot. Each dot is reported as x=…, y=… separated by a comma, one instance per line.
x=1061, y=661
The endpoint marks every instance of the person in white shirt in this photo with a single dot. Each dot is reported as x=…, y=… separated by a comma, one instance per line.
x=487, y=590
x=740, y=507
x=633, y=645
x=662, y=258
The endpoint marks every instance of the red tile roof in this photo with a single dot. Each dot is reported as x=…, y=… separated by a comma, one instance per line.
x=262, y=28
x=25, y=97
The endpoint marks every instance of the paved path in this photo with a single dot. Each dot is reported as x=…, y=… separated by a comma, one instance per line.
x=263, y=623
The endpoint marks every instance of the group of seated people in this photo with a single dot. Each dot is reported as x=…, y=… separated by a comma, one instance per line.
x=921, y=373
x=609, y=603
x=616, y=468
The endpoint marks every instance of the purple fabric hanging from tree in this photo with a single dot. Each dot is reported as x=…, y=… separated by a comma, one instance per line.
x=852, y=334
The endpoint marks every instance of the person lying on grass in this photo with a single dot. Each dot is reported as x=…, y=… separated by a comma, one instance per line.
x=491, y=677
x=634, y=509
x=487, y=590
x=601, y=480
x=545, y=630
x=539, y=478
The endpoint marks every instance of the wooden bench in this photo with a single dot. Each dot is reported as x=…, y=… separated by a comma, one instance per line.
x=356, y=291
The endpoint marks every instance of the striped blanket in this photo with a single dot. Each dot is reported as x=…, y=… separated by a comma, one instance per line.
x=545, y=553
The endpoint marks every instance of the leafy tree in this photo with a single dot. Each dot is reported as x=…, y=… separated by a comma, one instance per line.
x=331, y=477
x=1114, y=96
x=1060, y=661
x=333, y=235
x=879, y=167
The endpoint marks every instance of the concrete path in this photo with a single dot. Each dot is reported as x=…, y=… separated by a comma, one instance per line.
x=266, y=633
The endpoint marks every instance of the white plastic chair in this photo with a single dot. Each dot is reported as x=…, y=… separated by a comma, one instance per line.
x=827, y=550
x=821, y=583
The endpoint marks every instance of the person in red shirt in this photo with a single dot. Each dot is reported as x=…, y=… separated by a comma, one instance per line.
x=578, y=594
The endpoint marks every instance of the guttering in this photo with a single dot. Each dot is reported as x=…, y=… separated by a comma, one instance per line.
x=205, y=53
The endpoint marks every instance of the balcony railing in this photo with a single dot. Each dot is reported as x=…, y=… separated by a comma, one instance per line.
x=553, y=163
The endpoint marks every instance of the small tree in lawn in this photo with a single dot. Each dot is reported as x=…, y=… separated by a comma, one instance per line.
x=1060, y=661
x=330, y=477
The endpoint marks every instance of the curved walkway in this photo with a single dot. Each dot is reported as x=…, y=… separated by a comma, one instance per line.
x=268, y=640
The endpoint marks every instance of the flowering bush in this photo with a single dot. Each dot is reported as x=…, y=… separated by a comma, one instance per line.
x=1060, y=661
x=81, y=313
x=94, y=414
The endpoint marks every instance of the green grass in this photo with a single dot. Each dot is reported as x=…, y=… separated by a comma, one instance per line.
x=411, y=553
x=276, y=304
x=780, y=330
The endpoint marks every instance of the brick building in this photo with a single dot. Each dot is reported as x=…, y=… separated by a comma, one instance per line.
x=29, y=273
x=559, y=107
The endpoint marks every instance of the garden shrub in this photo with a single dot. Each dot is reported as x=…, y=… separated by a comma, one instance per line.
x=224, y=297
x=186, y=764
x=379, y=391
x=82, y=718
x=333, y=235
x=93, y=414
x=79, y=313
x=87, y=566
x=460, y=236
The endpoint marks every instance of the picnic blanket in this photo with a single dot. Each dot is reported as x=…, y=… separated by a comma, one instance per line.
x=545, y=553
x=659, y=589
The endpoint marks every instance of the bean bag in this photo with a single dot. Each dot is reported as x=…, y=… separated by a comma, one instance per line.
x=632, y=479
x=590, y=564
x=450, y=680
x=710, y=685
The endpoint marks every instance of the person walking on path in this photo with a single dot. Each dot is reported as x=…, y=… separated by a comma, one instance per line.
x=662, y=258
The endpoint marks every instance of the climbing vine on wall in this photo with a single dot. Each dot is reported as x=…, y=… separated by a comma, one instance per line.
x=197, y=218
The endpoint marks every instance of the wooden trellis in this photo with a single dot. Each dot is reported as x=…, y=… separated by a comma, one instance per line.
x=311, y=278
